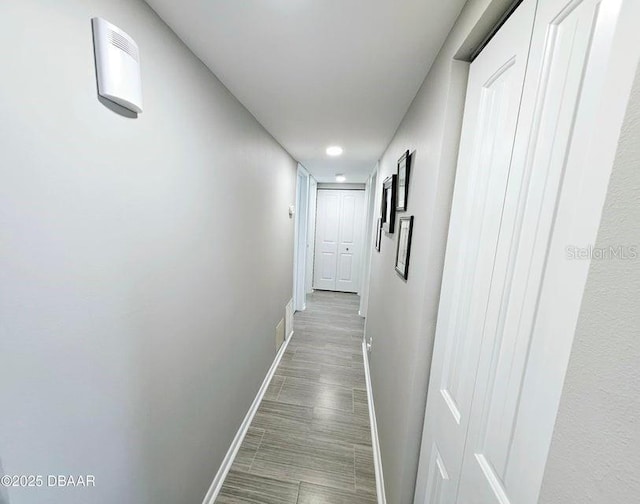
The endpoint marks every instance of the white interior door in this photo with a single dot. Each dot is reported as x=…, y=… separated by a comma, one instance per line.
x=325, y=264
x=524, y=350
x=510, y=300
x=494, y=92
x=338, y=240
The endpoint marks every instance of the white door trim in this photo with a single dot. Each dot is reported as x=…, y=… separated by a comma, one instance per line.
x=301, y=225
x=311, y=233
x=367, y=250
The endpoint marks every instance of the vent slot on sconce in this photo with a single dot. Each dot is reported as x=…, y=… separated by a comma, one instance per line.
x=123, y=44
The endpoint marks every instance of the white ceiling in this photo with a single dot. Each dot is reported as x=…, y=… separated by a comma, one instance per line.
x=319, y=72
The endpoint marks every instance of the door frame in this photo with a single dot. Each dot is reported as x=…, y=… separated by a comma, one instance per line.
x=311, y=233
x=301, y=231
x=361, y=230
x=369, y=237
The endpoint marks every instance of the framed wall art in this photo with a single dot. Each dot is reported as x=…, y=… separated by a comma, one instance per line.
x=379, y=234
x=389, y=203
x=404, y=169
x=403, y=251
x=383, y=205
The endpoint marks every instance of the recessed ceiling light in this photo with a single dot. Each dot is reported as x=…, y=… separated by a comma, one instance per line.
x=340, y=177
x=334, y=150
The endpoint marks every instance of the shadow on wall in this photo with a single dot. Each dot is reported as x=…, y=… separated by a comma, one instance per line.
x=118, y=109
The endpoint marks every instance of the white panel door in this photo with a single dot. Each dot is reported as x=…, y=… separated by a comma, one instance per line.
x=511, y=299
x=494, y=93
x=327, y=238
x=339, y=229
x=510, y=424
x=351, y=231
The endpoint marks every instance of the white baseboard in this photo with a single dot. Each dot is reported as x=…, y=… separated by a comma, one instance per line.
x=375, y=442
x=216, y=485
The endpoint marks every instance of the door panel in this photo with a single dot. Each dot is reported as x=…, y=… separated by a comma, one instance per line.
x=351, y=230
x=438, y=478
x=499, y=462
x=327, y=235
x=338, y=240
x=347, y=238
x=498, y=107
x=491, y=112
x=345, y=267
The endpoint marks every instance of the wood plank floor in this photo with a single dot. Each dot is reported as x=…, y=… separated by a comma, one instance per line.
x=310, y=441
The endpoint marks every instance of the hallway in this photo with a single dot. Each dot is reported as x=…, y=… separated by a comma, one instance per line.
x=175, y=177
x=310, y=440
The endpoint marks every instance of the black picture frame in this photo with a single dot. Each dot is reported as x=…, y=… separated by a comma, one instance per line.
x=403, y=248
x=379, y=234
x=389, y=204
x=404, y=170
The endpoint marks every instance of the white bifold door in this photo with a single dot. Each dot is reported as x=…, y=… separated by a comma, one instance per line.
x=338, y=248
x=541, y=122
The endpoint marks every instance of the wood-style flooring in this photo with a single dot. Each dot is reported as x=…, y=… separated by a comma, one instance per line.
x=310, y=441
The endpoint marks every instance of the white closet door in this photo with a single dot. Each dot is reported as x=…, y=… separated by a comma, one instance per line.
x=491, y=112
x=508, y=312
x=339, y=229
x=511, y=423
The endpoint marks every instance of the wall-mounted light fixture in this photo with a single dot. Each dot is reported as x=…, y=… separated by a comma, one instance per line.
x=117, y=65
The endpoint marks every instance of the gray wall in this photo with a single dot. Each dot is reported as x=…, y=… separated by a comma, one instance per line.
x=144, y=263
x=595, y=450
x=402, y=315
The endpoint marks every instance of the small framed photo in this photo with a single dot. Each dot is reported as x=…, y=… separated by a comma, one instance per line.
x=404, y=246
x=383, y=205
x=404, y=168
x=389, y=203
x=379, y=234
